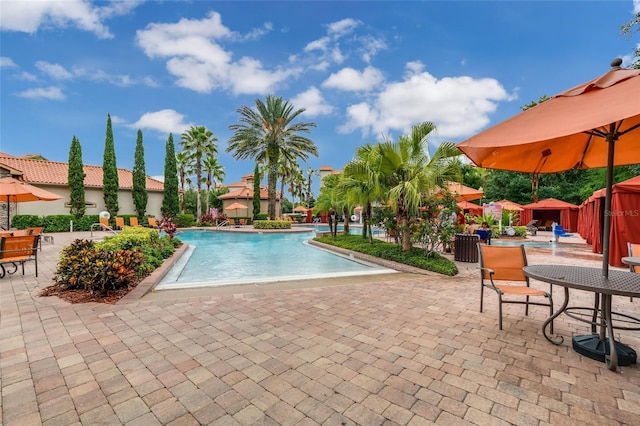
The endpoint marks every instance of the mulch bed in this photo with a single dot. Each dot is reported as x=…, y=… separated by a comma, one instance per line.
x=84, y=296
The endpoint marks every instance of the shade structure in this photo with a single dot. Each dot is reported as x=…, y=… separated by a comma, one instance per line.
x=464, y=193
x=16, y=191
x=595, y=124
x=510, y=205
x=473, y=209
x=567, y=213
x=300, y=209
x=236, y=207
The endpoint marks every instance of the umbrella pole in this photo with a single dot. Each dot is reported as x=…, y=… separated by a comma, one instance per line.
x=611, y=139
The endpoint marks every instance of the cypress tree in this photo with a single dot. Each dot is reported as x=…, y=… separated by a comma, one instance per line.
x=110, y=185
x=76, y=180
x=256, y=192
x=170, y=202
x=139, y=191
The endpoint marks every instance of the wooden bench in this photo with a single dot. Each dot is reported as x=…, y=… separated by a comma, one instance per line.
x=18, y=250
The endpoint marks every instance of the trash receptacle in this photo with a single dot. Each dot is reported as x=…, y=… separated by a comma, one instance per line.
x=466, y=248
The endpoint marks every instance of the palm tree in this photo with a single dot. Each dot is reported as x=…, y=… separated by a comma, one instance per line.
x=310, y=174
x=265, y=133
x=359, y=186
x=331, y=200
x=183, y=164
x=408, y=173
x=198, y=143
x=215, y=173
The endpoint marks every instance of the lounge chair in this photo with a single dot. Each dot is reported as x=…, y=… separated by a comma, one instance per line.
x=133, y=221
x=546, y=226
x=153, y=222
x=120, y=222
x=532, y=228
x=505, y=263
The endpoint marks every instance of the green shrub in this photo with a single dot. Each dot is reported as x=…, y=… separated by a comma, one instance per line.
x=84, y=266
x=262, y=216
x=416, y=257
x=130, y=238
x=184, y=220
x=24, y=221
x=58, y=222
x=272, y=224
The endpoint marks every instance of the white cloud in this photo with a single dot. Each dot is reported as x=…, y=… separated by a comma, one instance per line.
x=352, y=80
x=55, y=71
x=52, y=93
x=27, y=76
x=30, y=16
x=370, y=47
x=336, y=48
x=313, y=102
x=342, y=27
x=636, y=7
x=7, y=62
x=459, y=106
x=164, y=121
x=195, y=57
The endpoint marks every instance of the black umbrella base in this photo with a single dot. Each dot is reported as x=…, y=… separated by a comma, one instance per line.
x=592, y=347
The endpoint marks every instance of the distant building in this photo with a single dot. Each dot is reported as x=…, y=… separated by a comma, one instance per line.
x=327, y=171
x=53, y=177
x=242, y=192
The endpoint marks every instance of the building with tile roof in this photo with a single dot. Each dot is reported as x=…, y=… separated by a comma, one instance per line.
x=53, y=176
x=242, y=192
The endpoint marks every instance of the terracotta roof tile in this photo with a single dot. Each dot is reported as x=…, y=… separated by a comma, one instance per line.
x=56, y=173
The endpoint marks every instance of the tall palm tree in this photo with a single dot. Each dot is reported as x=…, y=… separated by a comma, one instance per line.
x=287, y=164
x=361, y=188
x=408, y=173
x=184, y=165
x=331, y=200
x=215, y=173
x=265, y=133
x=310, y=174
x=198, y=143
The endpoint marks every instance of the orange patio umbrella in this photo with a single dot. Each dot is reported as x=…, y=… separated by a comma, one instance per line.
x=464, y=193
x=16, y=191
x=300, y=209
x=595, y=124
x=510, y=205
x=236, y=207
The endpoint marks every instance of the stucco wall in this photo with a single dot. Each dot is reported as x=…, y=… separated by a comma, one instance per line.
x=94, y=195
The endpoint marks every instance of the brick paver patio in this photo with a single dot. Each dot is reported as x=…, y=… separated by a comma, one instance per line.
x=400, y=349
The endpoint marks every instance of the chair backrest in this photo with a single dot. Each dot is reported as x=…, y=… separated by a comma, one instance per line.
x=35, y=231
x=23, y=246
x=133, y=221
x=152, y=222
x=120, y=222
x=505, y=261
x=104, y=222
x=634, y=250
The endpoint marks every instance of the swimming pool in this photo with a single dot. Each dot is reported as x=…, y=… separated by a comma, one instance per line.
x=227, y=258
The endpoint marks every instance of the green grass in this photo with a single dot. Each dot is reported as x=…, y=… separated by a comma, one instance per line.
x=389, y=251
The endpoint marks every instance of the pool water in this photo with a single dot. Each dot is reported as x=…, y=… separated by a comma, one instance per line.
x=225, y=258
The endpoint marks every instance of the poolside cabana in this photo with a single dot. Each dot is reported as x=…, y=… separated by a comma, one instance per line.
x=625, y=219
x=562, y=212
x=472, y=209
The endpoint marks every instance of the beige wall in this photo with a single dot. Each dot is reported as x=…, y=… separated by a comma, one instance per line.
x=248, y=212
x=94, y=195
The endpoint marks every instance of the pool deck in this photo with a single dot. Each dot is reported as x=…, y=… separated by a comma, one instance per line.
x=405, y=348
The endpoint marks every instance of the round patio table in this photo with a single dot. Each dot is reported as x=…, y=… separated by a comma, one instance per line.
x=618, y=283
x=631, y=260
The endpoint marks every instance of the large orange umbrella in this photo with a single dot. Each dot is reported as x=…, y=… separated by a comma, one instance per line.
x=510, y=205
x=595, y=124
x=464, y=193
x=236, y=207
x=16, y=191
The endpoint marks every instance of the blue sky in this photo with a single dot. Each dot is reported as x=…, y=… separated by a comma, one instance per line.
x=360, y=69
